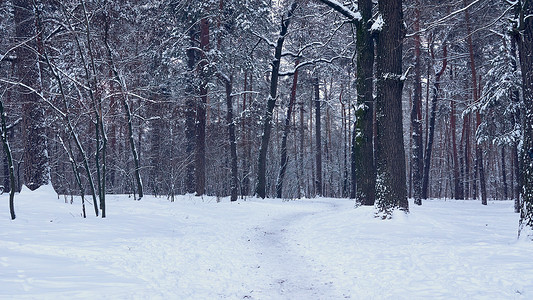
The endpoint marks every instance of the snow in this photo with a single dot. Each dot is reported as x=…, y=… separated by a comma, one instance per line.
x=378, y=24
x=198, y=248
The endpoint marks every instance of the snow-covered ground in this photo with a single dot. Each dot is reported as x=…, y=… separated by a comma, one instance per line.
x=196, y=248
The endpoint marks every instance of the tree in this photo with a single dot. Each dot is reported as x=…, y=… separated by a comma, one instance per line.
x=318, y=138
x=391, y=190
x=363, y=166
x=260, y=189
x=416, y=117
x=286, y=130
x=7, y=150
x=125, y=103
x=524, y=36
x=36, y=167
x=431, y=130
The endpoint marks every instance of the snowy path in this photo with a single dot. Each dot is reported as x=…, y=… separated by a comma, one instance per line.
x=196, y=248
x=292, y=276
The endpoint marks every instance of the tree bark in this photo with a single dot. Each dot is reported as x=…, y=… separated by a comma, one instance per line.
x=190, y=114
x=363, y=174
x=525, y=46
x=458, y=189
x=417, y=160
x=36, y=168
x=318, y=139
x=391, y=190
x=475, y=94
x=7, y=150
x=234, y=179
x=201, y=110
x=431, y=132
x=286, y=130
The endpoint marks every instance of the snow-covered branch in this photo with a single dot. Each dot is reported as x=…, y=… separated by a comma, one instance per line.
x=29, y=88
x=441, y=20
x=311, y=62
x=354, y=16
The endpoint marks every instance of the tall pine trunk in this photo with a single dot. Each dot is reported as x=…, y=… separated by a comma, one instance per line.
x=457, y=186
x=475, y=94
x=201, y=110
x=190, y=112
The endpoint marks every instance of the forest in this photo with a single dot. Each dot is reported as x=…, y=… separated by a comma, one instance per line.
x=378, y=101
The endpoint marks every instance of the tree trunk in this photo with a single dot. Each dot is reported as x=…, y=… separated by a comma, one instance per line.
x=190, y=114
x=234, y=180
x=245, y=140
x=201, y=110
x=260, y=189
x=431, y=132
x=286, y=130
x=318, y=139
x=475, y=93
x=36, y=169
x=458, y=189
x=525, y=46
x=516, y=121
x=94, y=95
x=391, y=190
x=417, y=160
x=363, y=174
x=301, y=155
x=504, y=174
x=7, y=150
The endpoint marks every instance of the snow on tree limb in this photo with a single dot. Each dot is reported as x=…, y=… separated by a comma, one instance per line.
x=345, y=11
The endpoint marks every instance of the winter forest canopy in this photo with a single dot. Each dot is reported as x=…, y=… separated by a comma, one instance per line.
x=379, y=101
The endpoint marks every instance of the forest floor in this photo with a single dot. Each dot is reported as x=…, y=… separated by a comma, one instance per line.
x=198, y=248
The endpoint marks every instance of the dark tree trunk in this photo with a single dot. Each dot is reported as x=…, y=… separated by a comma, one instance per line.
x=431, y=132
x=245, y=143
x=95, y=96
x=36, y=169
x=302, y=152
x=515, y=96
x=458, y=189
x=234, y=179
x=190, y=114
x=475, y=93
x=525, y=46
x=363, y=174
x=201, y=110
x=391, y=190
x=318, y=139
x=504, y=175
x=286, y=130
x=480, y=167
x=260, y=189
x=465, y=143
x=417, y=161
x=9, y=158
